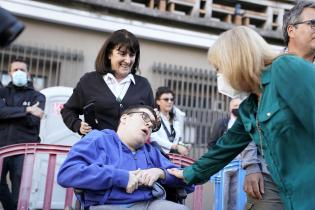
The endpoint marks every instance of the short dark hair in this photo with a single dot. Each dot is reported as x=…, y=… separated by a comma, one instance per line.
x=136, y=108
x=292, y=16
x=160, y=91
x=18, y=59
x=121, y=39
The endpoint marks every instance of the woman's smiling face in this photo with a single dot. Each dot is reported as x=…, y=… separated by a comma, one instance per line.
x=122, y=61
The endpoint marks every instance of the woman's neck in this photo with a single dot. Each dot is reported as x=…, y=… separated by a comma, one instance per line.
x=166, y=114
x=119, y=79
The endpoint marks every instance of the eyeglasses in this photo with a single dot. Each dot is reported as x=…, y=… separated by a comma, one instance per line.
x=308, y=22
x=146, y=118
x=168, y=99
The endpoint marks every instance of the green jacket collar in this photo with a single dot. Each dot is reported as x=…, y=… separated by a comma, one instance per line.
x=265, y=76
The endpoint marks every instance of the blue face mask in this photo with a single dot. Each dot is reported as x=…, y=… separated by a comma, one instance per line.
x=19, y=78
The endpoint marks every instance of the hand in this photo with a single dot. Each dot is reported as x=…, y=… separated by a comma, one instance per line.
x=176, y=172
x=254, y=185
x=85, y=128
x=147, y=177
x=133, y=181
x=35, y=110
x=181, y=149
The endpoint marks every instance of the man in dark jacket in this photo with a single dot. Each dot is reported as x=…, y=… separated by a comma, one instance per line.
x=21, y=108
x=231, y=176
x=222, y=125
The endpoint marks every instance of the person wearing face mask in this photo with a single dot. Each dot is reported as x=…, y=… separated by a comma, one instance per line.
x=21, y=109
x=278, y=115
x=112, y=88
x=230, y=177
x=222, y=125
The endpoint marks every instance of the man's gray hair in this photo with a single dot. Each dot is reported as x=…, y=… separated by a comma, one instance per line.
x=293, y=15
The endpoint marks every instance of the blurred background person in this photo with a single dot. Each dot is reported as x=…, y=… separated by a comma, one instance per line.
x=222, y=125
x=169, y=137
x=112, y=87
x=21, y=109
x=231, y=176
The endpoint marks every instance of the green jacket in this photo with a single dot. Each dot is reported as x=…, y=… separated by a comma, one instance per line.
x=286, y=117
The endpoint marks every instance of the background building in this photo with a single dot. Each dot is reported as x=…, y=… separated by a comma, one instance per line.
x=62, y=38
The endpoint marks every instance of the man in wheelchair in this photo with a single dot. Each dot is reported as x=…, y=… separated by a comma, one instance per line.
x=118, y=170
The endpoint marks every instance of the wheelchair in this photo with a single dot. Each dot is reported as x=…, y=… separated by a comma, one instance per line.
x=177, y=195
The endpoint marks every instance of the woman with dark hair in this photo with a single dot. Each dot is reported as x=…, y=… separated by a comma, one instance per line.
x=113, y=87
x=169, y=137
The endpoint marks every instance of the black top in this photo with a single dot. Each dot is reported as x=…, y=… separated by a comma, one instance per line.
x=17, y=126
x=219, y=128
x=92, y=88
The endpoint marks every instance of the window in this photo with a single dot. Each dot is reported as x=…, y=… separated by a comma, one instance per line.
x=195, y=94
x=45, y=64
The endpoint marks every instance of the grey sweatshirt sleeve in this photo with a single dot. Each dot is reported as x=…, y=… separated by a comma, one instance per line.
x=250, y=160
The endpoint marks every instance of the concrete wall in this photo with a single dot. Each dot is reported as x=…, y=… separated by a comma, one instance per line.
x=64, y=37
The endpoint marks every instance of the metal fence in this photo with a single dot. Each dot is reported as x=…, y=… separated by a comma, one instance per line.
x=46, y=64
x=195, y=94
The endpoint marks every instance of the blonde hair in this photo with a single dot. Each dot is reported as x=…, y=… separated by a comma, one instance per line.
x=240, y=54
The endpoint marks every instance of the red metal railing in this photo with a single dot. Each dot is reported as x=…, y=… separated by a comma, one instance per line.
x=30, y=150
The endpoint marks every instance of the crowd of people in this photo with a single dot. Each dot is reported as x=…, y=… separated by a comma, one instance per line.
x=121, y=160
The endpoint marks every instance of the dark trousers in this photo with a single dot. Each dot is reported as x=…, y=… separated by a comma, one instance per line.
x=14, y=166
x=271, y=198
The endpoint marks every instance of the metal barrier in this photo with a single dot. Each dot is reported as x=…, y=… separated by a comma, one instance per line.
x=184, y=161
x=219, y=181
x=30, y=150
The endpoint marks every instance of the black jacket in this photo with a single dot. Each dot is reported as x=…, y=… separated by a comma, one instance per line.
x=219, y=128
x=92, y=88
x=17, y=126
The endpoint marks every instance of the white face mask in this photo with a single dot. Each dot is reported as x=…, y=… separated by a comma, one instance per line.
x=225, y=88
x=19, y=78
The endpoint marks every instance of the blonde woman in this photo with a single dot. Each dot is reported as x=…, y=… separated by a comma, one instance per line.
x=279, y=115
